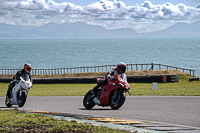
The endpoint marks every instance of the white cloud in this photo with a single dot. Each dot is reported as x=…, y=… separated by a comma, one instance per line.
x=145, y=17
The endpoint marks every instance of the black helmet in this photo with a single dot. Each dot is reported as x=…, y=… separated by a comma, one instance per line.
x=121, y=67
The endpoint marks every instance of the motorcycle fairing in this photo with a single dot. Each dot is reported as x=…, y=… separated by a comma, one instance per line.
x=15, y=90
x=105, y=94
x=23, y=85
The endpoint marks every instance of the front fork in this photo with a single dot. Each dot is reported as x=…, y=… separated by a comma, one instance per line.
x=115, y=95
x=20, y=92
x=23, y=90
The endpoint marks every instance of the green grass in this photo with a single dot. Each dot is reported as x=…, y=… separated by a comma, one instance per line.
x=182, y=88
x=16, y=121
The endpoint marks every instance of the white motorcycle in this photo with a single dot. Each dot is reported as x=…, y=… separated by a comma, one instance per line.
x=19, y=92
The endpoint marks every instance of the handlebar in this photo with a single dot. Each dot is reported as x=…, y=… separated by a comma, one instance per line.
x=116, y=80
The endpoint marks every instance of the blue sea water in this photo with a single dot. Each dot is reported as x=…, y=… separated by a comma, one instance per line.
x=184, y=52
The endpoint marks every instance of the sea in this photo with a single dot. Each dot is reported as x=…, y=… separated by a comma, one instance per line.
x=66, y=53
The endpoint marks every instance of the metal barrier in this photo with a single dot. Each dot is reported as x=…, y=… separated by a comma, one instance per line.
x=104, y=68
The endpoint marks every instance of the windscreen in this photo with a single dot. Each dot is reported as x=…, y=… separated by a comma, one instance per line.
x=25, y=77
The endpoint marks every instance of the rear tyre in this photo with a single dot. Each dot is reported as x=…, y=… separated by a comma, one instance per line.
x=88, y=100
x=7, y=102
x=117, y=101
x=22, y=99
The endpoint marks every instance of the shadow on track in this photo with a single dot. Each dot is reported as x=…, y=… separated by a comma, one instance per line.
x=109, y=109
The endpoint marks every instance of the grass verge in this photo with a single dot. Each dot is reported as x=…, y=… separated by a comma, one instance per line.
x=182, y=88
x=18, y=122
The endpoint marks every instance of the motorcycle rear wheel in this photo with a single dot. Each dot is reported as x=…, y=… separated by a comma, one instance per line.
x=22, y=99
x=88, y=100
x=118, y=101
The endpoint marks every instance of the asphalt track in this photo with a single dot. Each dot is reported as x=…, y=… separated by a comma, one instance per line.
x=180, y=110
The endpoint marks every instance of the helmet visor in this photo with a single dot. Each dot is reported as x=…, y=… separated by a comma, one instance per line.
x=28, y=68
x=122, y=69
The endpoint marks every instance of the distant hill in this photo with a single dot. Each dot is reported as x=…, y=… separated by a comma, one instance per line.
x=81, y=30
x=179, y=30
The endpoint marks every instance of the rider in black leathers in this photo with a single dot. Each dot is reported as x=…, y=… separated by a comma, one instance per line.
x=16, y=78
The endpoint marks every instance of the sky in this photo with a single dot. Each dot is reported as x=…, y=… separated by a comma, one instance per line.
x=134, y=2
x=141, y=16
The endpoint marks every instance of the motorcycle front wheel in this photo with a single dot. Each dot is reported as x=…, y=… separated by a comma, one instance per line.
x=22, y=99
x=88, y=100
x=117, y=100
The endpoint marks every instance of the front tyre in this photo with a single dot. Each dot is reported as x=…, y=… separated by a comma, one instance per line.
x=88, y=100
x=117, y=100
x=22, y=99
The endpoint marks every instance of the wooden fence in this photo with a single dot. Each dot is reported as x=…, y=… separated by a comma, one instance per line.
x=104, y=68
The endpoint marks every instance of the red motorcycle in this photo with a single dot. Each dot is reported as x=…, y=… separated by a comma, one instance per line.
x=112, y=94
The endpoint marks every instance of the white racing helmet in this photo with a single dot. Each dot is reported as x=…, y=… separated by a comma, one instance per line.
x=121, y=67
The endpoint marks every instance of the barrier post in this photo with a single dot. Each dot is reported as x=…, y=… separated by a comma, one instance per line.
x=165, y=79
x=155, y=86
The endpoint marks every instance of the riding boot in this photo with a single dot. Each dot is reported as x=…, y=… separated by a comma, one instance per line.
x=9, y=93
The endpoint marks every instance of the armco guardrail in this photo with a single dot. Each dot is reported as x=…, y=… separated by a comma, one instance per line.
x=104, y=68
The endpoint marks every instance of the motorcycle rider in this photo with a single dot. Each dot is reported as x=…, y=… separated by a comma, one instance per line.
x=119, y=70
x=26, y=70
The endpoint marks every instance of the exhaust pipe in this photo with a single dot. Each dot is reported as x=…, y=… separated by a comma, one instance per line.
x=96, y=101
